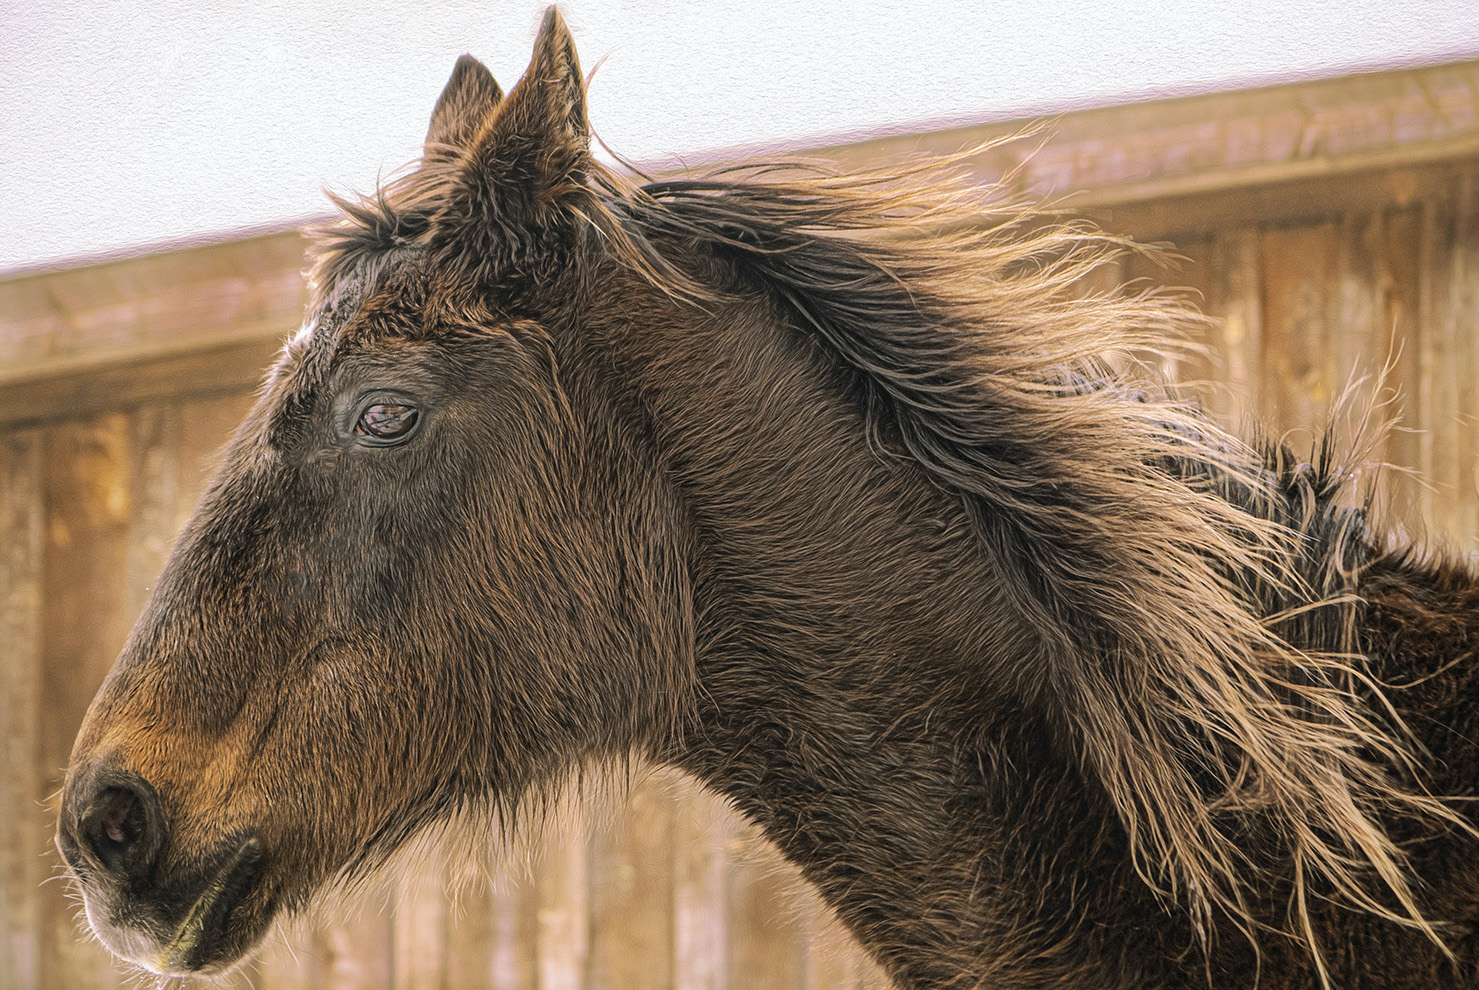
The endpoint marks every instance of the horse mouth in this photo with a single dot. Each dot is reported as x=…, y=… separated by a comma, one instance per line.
x=203, y=941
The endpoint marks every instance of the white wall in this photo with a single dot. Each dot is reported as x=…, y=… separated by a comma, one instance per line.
x=131, y=124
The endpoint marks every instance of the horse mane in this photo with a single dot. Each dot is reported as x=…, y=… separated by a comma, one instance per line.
x=1165, y=563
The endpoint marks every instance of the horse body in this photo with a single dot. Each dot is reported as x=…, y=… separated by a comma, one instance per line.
x=1042, y=680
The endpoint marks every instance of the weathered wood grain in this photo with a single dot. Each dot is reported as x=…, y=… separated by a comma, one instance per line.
x=1298, y=272
x=703, y=829
x=67, y=321
x=562, y=926
x=221, y=371
x=1235, y=293
x=1463, y=305
x=25, y=827
x=1447, y=365
x=88, y=470
x=631, y=877
x=1397, y=274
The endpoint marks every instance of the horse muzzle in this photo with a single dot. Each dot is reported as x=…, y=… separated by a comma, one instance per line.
x=178, y=921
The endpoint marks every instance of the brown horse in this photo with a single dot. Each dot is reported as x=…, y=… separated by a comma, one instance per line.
x=824, y=490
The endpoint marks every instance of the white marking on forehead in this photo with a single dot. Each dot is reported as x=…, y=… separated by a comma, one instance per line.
x=306, y=331
x=295, y=347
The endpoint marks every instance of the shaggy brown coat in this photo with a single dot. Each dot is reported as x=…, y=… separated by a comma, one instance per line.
x=831, y=492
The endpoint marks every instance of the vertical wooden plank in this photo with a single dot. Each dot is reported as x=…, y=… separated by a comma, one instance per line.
x=631, y=894
x=418, y=929
x=1357, y=347
x=1397, y=265
x=86, y=618
x=1425, y=397
x=1464, y=307
x=765, y=947
x=1438, y=362
x=1235, y=295
x=1356, y=359
x=157, y=479
x=563, y=926
x=471, y=939
x=25, y=855
x=703, y=829
x=1191, y=281
x=1298, y=271
x=514, y=919
x=204, y=428
x=111, y=489
x=1447, y=362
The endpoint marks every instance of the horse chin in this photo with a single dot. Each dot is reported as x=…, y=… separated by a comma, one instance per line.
x=200, y=926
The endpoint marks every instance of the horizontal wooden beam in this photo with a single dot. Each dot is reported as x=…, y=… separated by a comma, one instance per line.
x=150, y=306
x=1218, y=142
x=231, y=368
x=1194, y=215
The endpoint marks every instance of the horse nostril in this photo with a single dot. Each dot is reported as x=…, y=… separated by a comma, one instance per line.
x=121, y=826
x=118, y=825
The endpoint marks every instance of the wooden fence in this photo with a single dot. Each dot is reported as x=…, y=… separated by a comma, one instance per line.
x=1333, y=225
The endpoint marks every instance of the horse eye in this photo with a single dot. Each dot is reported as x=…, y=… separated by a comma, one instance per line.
x=386, y=422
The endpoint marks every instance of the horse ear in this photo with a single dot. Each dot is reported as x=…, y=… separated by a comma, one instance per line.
x=467, y=100
x=525, y=165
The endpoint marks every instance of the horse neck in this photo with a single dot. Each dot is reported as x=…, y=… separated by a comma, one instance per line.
x=846, y=644
x=858, y=679
x=1420, y=627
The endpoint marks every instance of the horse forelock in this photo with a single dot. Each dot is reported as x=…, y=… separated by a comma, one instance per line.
x=370, y=230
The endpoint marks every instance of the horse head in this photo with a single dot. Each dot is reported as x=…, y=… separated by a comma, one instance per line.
x=425, y=579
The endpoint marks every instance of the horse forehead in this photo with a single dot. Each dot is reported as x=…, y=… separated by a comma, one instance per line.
x=383, y=296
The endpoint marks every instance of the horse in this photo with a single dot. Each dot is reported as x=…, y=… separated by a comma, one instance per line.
x=834, y=492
